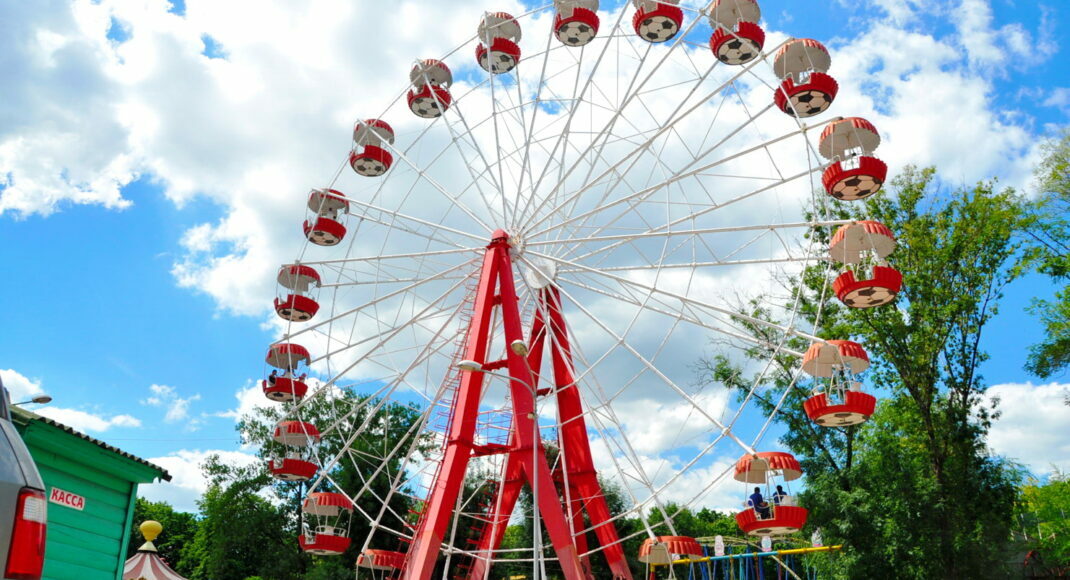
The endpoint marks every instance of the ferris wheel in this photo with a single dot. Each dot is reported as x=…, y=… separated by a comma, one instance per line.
x=528, y=248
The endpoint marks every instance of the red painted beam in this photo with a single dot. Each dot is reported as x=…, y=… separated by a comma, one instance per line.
x=504, y=501
x=535, y=466
x=526, y=459
x=427, y=540
x=575, y=446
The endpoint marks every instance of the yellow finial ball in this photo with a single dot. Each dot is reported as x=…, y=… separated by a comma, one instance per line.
x=150, y=529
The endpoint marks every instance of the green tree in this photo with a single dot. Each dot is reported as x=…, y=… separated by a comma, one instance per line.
x=914, y=491
x=516, y=537
x=241, y=534
x=353, y=458
x=704, y=523
x=1045, y=519
x=179, y=529
x=1051, y=233
x=520, y=537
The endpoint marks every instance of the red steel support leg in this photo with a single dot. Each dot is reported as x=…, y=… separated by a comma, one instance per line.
x=527, y=458
x=427, y=538
x=598, y=512
x=530, y=449
x=575, y=446
x=504, y=501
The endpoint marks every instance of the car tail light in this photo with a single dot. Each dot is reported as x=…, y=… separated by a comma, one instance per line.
x=26, y=556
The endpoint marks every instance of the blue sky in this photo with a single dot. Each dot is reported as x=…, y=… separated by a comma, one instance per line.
x=108, y=316
x=107, y=311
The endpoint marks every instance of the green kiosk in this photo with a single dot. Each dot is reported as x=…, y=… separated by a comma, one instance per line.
x=91, y=488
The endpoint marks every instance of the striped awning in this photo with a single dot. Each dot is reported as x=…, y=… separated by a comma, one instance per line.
x=147, y=565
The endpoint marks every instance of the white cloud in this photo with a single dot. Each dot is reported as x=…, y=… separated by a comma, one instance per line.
x=67, y=145
x=976, y=34
x=990, y=46
x=993, y=49
x=20, y=387
x=177, y=407
x=1059, y=97
x=1033, y=425
x=900, y=12
x=709, y=484
x=655, y=425
x=907, y=98
x=187, y=480
x=249, y=399
x=86, y=421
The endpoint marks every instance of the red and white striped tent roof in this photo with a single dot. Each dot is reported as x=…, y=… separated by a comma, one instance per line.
x=147, y=564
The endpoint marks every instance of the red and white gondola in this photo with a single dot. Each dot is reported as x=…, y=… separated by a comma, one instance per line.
x=777, y=514
x=664, y=550
x=369, y=156
x=287, y=386
x=806, y=89
x=657, y=20
x=324, y=227
x=295, y=461
x=854, y=173
x=868, y=280
x=297, y=302
x=576, y=21
x=430, y=95
x=325, y=519
x=837, y=399
x=737, y=38
x=498, y=50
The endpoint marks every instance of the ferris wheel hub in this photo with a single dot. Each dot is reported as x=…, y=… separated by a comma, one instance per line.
x=540, y=272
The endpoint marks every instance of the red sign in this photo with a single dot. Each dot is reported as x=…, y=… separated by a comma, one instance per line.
x=67, y=498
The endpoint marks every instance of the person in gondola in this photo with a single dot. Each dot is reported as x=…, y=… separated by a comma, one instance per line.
x=758, y=503
x=271, y=378
x=780, y=496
